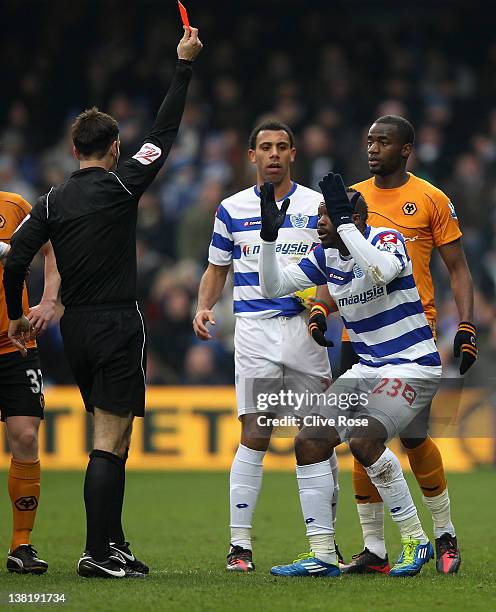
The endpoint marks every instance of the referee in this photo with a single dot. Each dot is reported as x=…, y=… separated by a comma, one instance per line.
x=91, y=221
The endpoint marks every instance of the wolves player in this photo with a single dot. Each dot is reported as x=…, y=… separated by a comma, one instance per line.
x=381, y=309
x=427, y=219
x=21, y=395
x=270, y=334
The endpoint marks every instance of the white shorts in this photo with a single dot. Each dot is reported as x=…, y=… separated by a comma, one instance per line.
x=394, y=395
x=274, y=355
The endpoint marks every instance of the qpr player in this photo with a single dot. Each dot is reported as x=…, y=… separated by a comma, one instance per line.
x=270, y=336
x=400, y=368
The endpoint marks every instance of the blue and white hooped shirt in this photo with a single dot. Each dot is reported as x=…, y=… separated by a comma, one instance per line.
x=386, y=322
x=236, y=239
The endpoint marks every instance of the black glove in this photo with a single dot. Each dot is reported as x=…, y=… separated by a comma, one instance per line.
x=317, y=323
x=339, y=206
x=466, y=342
x=272, y=216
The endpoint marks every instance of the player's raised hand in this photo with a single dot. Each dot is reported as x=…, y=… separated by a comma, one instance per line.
x=200, y=321
x=19, y=333
x=272, y=216
x=190, y=45
x=466, y=343
x=339, y=206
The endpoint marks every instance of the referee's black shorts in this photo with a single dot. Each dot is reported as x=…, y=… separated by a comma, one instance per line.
x=418, y=428
x=21, y=385
x=106, y=349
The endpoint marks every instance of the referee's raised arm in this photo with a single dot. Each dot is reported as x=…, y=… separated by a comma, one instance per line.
x=138, y=172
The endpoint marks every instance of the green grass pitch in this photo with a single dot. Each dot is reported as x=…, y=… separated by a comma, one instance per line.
x=177, y=522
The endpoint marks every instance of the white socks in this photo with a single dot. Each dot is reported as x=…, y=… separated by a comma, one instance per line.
x=372, y=522
x=440, y=510
x=387, y=475
x=245, y=484
x=333, y=462
x=316, y=486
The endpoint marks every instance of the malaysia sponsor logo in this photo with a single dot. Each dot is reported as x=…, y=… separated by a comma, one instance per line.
x=363, y=297
x=283, y=248
x=299, y=221
x=148, y=154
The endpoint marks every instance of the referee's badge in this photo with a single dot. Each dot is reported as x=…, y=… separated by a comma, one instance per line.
x=299, y=221
x=148, y=154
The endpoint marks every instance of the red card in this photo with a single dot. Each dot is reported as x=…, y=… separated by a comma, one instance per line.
x=184, y=14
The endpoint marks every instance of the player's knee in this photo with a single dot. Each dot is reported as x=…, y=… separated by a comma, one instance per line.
x=255, y=435
x=411, y=443
x=366, y=450
x=258, y=444
x=24, y=443
x=311, y=449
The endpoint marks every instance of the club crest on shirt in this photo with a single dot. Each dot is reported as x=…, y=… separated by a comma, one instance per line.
x=387, y=246
x=299, y=221
x=409, y=208
x=148, y=154
x=357, y=271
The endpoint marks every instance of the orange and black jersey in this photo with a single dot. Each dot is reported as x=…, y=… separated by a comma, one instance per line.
x=91, y=219
x=13, y=210
x=426, y=218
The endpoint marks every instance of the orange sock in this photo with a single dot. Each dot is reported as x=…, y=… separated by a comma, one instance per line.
x=427, y=465
x=365, y=492
x=24, y=491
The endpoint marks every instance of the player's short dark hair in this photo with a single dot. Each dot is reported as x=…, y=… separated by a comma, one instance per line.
x=93, y=132
x=405, y=128
x=272, y=125
x=360, y=205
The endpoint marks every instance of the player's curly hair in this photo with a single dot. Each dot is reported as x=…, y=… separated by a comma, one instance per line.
x=93, y=132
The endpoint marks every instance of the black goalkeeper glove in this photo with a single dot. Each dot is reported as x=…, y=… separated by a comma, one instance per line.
x=339, y=206
x=317, y=323
x=272, y=216
x=466, y=342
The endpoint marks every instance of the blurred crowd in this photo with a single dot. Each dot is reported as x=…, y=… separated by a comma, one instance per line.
x=327, y=71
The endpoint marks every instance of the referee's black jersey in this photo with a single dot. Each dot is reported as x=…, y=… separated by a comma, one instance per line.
x=91, y=219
